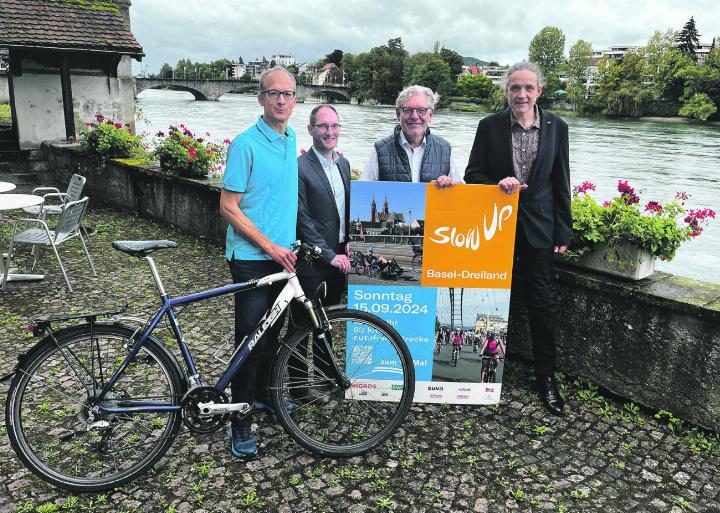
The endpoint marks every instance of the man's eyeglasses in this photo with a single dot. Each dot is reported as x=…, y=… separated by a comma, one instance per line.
x=324, y=127
x=274, y=94
x=421, y=111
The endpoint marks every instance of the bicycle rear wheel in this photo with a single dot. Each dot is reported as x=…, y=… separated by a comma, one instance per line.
x=50, y=415
x=335, y=420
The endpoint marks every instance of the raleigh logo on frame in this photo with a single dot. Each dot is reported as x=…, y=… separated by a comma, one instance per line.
x=469, y=237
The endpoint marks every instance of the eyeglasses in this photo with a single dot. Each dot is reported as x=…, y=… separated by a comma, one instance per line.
x=324, y=127
x=275, y=94
x=421, y=111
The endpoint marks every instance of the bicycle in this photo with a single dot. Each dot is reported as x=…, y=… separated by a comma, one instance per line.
x=455, y=354
x=488, y=368
x=94, y=405
x=417, y=258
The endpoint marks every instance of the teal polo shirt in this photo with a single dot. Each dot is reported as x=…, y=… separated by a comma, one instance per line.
x=262, y=164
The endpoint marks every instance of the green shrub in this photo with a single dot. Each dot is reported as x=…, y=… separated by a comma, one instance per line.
x=700, y=106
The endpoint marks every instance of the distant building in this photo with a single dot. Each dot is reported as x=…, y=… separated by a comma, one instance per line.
x=489, y=322
x=330, y=74
x=283, y=60
x=237, y=70
x=702, y=51
x=385, y=222
x=257, y=67
x=67, y=63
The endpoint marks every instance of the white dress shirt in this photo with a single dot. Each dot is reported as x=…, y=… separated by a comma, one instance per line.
x=338, y=187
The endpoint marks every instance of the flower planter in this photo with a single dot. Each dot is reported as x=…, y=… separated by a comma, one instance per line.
x=624, y=260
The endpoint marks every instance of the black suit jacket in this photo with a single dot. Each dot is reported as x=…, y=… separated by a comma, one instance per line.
x=318, y=222
x=544, y=207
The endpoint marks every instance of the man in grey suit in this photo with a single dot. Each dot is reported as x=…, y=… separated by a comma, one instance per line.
x=323, y=213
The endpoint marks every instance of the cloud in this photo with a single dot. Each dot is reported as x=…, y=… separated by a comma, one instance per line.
x=309, y=30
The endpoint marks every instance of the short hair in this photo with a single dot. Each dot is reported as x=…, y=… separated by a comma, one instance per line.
x=313, y=113
x=530, y=66
x=272, y=70
x=412, y=90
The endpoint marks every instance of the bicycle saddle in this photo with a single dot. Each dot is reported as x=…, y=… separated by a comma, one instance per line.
x=140, y=248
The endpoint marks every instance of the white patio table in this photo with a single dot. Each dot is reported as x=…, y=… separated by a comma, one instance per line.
x=15, y=202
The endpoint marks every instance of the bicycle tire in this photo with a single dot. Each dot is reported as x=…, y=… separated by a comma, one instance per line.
x=48, y=407
x=360, y=269
x=332, y=421
x=374, y=271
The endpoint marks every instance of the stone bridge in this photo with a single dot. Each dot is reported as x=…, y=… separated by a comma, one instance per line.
x=214, y=89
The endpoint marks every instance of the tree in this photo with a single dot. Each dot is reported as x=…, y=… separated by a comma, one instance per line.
x=578, y=68
x=166, y=71
x=662, y=62
x=240, y=60
x=336, y=57
x=700, y=106
x=688, y=39
x=621, y=91
x=429, y=70
x=453, y=59
x=475, y=86
x=546, y=50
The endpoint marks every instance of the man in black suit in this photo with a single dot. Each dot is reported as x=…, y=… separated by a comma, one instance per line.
x=323, y=213
x=525, y=149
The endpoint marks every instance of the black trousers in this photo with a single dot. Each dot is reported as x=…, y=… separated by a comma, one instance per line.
x=336, y=285
x=532, y=282
x=252, y=380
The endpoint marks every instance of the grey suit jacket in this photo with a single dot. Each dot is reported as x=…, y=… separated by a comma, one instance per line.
x=318, y=222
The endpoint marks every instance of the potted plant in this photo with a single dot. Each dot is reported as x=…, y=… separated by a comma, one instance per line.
x=623, y=237
x=181, y=152
x=106, y=139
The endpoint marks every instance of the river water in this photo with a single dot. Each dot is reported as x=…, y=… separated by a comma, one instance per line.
x=661, y=157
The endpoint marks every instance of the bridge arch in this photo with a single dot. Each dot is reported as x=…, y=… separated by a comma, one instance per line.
x=174, y=87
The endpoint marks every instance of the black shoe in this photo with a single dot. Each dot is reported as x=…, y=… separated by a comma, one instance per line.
x=550, y=396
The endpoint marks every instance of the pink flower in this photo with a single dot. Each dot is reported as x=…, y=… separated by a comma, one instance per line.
x=583, y=188
x=160, y=133
x=185, y=143
x=653, y=206
x=199, y=139
x=682, y=196
x=100, y=118
x=606, y=204
x=303, y=151
x=226, y=142
x=624, y=188
x=90, y=124
x=118, y=125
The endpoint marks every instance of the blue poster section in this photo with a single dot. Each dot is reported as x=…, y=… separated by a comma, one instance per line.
x=411, y=311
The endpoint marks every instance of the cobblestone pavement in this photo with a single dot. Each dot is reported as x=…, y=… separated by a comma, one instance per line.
x=602, y=456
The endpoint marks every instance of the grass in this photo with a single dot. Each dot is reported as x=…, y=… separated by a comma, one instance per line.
x=5, y=114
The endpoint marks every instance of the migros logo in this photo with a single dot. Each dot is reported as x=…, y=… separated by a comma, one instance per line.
x=471, y=238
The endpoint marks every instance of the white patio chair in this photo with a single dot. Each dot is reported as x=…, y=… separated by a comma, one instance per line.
x=68, y=228
x=72, y=193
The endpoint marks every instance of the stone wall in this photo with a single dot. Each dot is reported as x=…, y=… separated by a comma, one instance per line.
x=655, y=342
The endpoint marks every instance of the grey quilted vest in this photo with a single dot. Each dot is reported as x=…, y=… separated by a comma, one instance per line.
x=393, y=161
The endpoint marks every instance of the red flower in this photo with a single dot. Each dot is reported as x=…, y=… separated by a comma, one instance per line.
x=653, y=206
x=584, y=187
x=185, y=143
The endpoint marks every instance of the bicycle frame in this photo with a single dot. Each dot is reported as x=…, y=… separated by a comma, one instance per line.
x=292, y=290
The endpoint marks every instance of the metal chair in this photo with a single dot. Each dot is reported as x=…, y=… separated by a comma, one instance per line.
x=68, y=227
x=72, y=193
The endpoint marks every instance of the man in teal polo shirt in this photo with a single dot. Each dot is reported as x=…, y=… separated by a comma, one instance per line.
x=259, y=200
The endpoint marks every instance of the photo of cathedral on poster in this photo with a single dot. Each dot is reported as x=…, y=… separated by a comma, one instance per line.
x=385, y=222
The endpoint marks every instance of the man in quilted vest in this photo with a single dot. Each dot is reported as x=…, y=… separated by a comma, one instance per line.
x=411, y=153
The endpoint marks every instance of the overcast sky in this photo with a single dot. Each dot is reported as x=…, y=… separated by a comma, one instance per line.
x=310, y=29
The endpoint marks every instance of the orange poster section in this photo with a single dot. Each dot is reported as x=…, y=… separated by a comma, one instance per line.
x=469, y=237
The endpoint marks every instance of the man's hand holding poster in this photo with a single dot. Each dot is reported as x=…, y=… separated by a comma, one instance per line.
x=437, y=265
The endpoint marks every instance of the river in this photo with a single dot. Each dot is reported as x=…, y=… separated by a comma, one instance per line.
x=660, y=157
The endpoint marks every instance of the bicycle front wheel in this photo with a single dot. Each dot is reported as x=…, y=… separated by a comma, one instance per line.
x=52, y=421
x=354, y=416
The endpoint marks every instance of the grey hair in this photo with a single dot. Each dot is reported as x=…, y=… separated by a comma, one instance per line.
x=412, y=90
x=530, y=66
x=272, y=70
x=313, y=113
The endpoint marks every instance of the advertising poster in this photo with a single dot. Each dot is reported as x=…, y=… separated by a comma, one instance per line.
x=437, y=265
